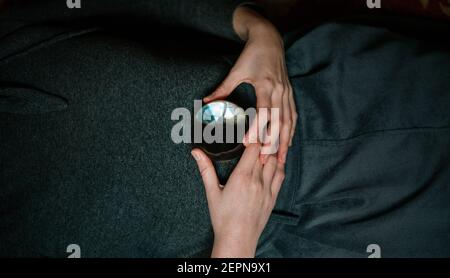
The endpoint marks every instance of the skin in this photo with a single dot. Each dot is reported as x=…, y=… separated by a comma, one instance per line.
x=240, y=210
x=262, y=64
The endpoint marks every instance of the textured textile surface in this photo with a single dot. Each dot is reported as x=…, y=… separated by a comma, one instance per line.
x=87, y=158
x=374, y=157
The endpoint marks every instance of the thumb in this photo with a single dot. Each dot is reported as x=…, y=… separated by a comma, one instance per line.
x=208, y=173
x=226, y=88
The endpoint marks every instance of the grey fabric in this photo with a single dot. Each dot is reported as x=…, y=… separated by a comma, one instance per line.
x=92, y=162
x=212, y=17
x=94, y=165
x=374, y=161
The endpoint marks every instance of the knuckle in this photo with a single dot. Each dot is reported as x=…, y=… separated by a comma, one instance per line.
x=259, y=185
x=241, y=174
x=267, y=82
x=203, y=171
x=271, y=160
x=246, y=176
x=287, y=123
x=253, y=186
x=285, y=132
x=279, y=89
x=258, y=181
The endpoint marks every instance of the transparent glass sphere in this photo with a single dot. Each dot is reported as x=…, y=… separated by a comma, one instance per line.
x=218, y=111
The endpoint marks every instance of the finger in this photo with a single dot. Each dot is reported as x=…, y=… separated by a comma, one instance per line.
x=263, y=157
x=269, y=171
x=208, y=173
x=257, y=173
x=260, y=121
x=255, y=132
x=275, y=124
x=277, y=180
x=285, y=131
x=226, y=88
x=249, y=158
x=293, y=113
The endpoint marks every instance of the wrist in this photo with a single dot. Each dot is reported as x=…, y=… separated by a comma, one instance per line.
x=247, y=22
x=255, y=28
x=264, y=32
x=234, y=247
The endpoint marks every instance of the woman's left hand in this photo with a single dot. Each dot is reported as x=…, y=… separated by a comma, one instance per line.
x=240, y=210
x=262, y=64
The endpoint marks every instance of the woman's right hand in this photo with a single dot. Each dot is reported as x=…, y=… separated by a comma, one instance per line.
x=240, y=210
x=262, y=64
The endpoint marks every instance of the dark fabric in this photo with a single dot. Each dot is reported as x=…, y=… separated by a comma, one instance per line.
x=87, y=156
x=102, y=173
x=213, y=17
x=27, y=26
x=85, y=133
x=374, y=150
x=85, y=128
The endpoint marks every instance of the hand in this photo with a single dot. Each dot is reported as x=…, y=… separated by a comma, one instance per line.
x=262, y=64
x=240, y=210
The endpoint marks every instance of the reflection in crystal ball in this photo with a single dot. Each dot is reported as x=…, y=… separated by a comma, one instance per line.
x=218, y=111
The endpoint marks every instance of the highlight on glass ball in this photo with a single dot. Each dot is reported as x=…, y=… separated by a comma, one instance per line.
x=224, y=125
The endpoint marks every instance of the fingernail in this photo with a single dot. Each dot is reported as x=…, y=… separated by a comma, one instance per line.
x=196, y=156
